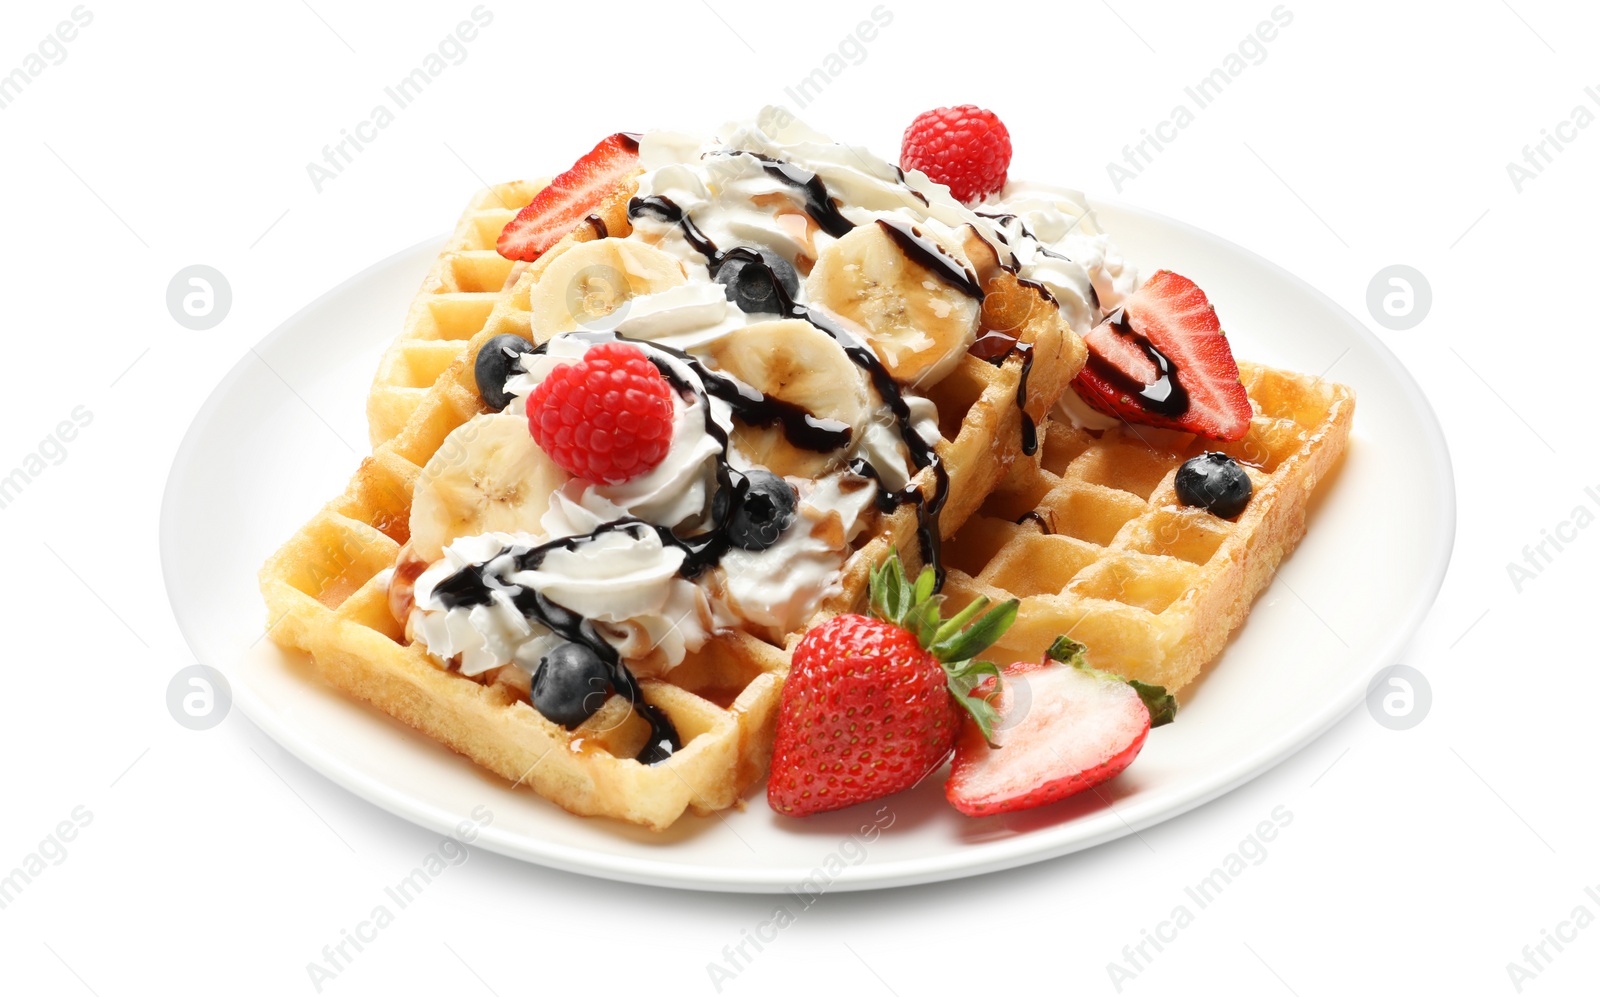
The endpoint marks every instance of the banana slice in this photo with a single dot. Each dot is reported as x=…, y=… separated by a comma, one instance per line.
x=911, y=290
x=591, y=280
x=795, y=362
x=488, y=476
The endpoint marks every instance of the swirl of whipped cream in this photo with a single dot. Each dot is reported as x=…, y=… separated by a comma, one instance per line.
x=1057, y=240
x=779, y=588
x=676, y=493
x=484, y=637
x=725, y=185
x=743, y=188
x=625, y=582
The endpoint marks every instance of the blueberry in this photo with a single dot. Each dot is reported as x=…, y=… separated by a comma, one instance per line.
x=753, y=278
x=570, y=683
x=763, y=507
x=494, y=365
x=1216, y=482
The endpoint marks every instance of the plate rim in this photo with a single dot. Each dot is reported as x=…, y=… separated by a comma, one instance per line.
x=961, y=862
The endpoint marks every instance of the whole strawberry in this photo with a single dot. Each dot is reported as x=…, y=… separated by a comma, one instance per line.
x=874, y=703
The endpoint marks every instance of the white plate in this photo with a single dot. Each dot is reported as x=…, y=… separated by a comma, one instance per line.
x=261, y=457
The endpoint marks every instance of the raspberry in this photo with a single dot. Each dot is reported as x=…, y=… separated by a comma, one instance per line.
x=606, y=418
x=965, y=148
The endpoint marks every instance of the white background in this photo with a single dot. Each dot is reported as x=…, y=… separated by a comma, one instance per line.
x=1420, y=861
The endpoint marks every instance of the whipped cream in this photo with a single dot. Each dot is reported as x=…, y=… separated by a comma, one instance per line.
x=775, y=184
x=1058, y=241
x=625, y=582
x=676, y=493
x=778, y=589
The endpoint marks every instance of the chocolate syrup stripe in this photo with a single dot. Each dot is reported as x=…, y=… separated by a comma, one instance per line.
x=1165, y=396
x=471, y=586
x=931, y=257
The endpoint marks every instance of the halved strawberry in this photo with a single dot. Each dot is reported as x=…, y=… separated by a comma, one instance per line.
x=1063, y=727
x=570, y=198
x=1163, y=360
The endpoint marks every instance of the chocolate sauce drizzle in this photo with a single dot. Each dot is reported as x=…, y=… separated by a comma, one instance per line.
x=1164, y=396
x=995, y=348
x=473, y=586
x=921, y=453
x=1030, y=432
x=931, y=257
x=819, y=203
x=1037, y=520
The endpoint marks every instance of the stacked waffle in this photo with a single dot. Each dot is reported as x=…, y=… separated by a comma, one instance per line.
x=827, y=326
x=332, y=589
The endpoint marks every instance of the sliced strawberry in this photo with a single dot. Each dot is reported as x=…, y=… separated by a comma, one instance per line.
x=570, y=198
x=1063, y=728
x=1163, y=360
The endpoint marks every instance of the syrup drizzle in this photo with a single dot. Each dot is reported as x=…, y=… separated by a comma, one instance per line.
x=922, y=455
x=1030, y=432
x=819, y=204
x=472, y=586
x=1165, y=396
x=1037, y=520
x=931, y=256
x=995, y=348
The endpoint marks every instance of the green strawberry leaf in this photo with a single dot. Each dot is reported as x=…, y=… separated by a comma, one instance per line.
x=1068, y=652
x=975, y=638
x=955, y=642
x=1163, y=706
x=953, y=625
x=964, y=678
x=915, y=608
x=924, y=586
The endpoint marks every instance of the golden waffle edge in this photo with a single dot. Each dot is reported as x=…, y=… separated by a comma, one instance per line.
x=1089, y=533
x=327, y=595
x=454, y=302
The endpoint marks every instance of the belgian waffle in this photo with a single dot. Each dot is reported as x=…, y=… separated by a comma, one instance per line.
x=327, y=591
x=1090, y=535
x=454, y=302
